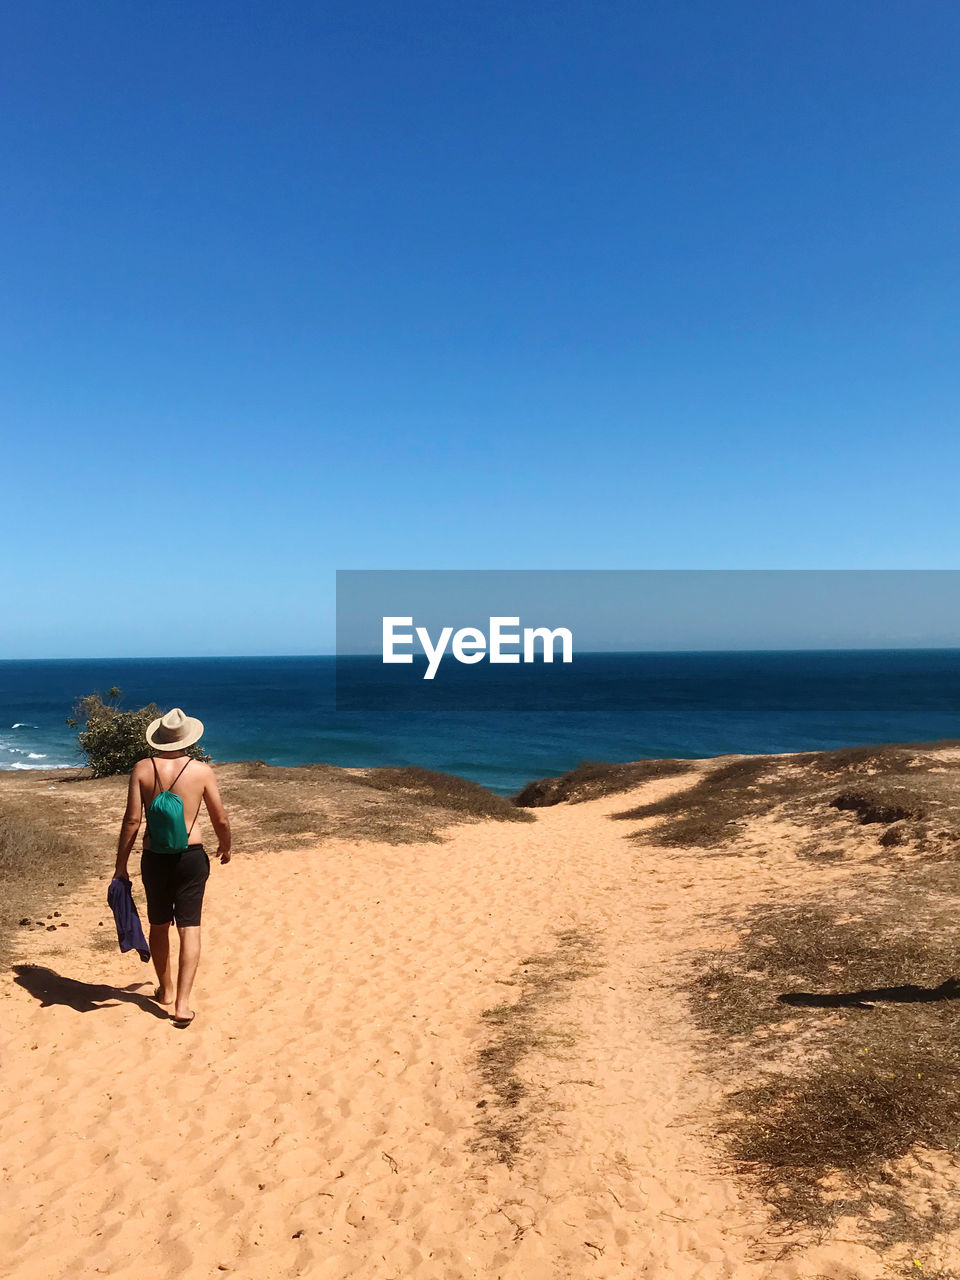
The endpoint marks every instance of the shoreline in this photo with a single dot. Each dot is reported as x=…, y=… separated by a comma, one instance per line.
x=688, y=705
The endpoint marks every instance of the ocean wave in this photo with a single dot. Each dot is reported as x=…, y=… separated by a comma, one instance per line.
x=28, y=755
x=23, y=759
x=22, y=724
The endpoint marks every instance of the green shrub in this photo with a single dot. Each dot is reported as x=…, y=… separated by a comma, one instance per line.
x=113, y=740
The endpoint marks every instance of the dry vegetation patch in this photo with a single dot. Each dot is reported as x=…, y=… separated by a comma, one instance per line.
x=295, y=806
x=592, y=780
x=513, y=1102
x=837, y=1027
x=37, y=864
x=832, y=794
x=48, y=845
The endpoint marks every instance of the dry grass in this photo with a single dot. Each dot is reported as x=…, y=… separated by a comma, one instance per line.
x=703, y=814
x=834, y=1023
x=884, y=802
x=837, y=1027
x=592, y=780
x=271, y=805
x=443, y=791
x=39, y=862
x=512, y=1104
x=826, y=792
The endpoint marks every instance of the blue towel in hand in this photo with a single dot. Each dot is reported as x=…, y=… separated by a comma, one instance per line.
x=129, y=933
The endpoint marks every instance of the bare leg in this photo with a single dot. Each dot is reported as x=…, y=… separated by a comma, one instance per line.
x=187, y=968
x=160, y=953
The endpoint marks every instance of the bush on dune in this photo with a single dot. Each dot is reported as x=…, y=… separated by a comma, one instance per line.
x=113, y=740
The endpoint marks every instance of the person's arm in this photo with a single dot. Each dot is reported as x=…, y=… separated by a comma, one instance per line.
x=130, y=824
x=218, y=816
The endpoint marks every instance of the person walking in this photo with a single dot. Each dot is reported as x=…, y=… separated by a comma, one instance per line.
x=172, y=788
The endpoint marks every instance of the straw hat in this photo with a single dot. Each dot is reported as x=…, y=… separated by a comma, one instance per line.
x=174, y=731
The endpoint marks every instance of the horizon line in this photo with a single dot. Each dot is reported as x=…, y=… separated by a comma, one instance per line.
x=268, y=657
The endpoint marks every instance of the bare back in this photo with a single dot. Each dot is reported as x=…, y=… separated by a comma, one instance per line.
x=192, y=780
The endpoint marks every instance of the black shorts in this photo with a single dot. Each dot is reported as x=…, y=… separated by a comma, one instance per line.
x=174, y=884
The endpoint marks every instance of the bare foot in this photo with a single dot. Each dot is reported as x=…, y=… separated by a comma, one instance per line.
x=160, y=998
x=183, y=1019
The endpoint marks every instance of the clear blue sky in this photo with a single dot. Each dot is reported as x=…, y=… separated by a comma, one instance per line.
x=292, y=287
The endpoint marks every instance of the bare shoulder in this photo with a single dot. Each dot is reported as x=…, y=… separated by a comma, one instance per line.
x=141, y=778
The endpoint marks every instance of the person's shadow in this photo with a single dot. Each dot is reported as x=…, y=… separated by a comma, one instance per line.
x=51, y=988
x=865, y=999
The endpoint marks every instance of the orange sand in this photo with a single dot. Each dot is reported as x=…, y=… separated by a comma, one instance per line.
x=319, y=1117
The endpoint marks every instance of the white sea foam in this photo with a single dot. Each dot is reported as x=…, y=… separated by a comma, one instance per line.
x=22, y=724
x=21, y=758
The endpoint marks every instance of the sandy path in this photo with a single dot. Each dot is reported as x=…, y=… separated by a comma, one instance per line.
x=320, y=1117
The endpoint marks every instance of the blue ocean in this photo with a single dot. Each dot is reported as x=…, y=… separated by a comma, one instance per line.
x=628, y=707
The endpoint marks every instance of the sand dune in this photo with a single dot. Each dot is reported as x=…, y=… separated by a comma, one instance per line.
x=346, y=1105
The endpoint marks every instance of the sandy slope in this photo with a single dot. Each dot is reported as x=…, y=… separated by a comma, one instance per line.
x=321, y=1117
